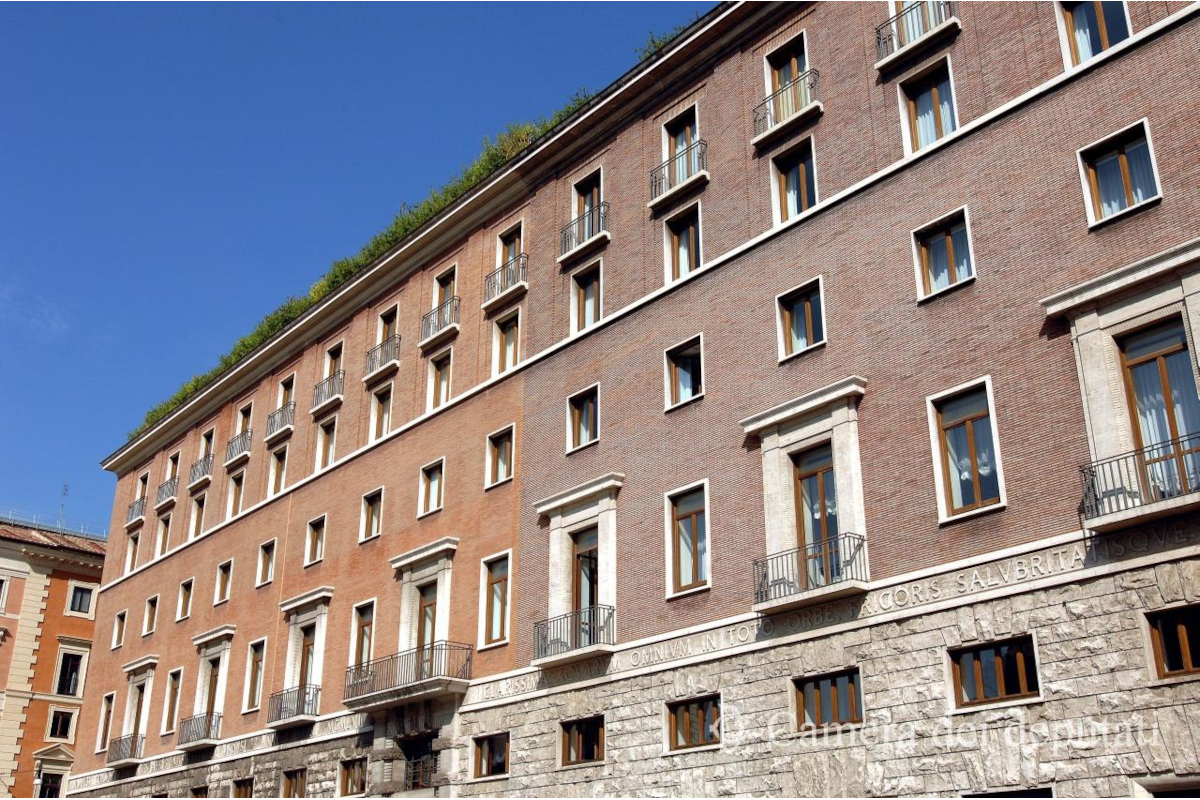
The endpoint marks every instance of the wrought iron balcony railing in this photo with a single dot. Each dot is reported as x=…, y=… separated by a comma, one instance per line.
x=166, y=490
x=1127, y=482
x=679, y=168
x=383, y=353
x=280, y=418
x=439, y=319
x=299, y=701
x=202, y=727
x=238, y=445
x=780, y=575
x=439, y=660
x=583, y=628
x=418, y=773
x=784, y=103
x=499, y=281
x=136, y=509
x=910, y=25
x=329, y=388
x=582, y=228
x=201, y=469
x=126, y=748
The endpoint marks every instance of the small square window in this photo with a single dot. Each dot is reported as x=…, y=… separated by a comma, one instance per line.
x=314, y=543
x=827, y=700
x=796, y=182
x=694, y=723
x=801, y=319
x=61, y=724
x=683, y=244
x=372, y=511
x=266, y=563
x=584, y=418
x=585, y=311
x=944, y=254
x=685, y=372
x=1093, y=26
x=500, y=455
x=431, y=488
x=929, y=101
x=995, y=672
x=1120, y=173
x=224, y=579
x=1175, y=636
x=354, y=776
x=583, y=741
x=491, y=755
x=81, y=600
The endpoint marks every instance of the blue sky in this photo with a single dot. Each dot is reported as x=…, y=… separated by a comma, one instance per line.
x=170, y=172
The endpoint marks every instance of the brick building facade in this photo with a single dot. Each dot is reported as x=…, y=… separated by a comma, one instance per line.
x=767, y=377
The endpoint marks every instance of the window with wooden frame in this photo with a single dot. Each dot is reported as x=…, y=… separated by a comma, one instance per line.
x=588, y=220
x=439, y=376
x=510, y=245
x=254, y=674
x=68, y=679
x=224, y=579
x=994, y=672
x=354, y=776
x=206, y=442
x=500, y=455
x=944, y=254
x=586, y=289
x=387, y=324
x=381, y=412
x=795, y=181
x=295, y=783
x=929, y=101
x=237, y=485
x=824, y=700
x=243, y=418
x=183, y=608
x=131, y=550
x=171, y=702
x=1093, y=26
x=445, y=287
x=801, y=319
x=314, y=542
x=106, y=716
x=243, y=787
x=584, y=419
x=197, y=526
x=333, y=360
x=143, y=486
x=266, y=563
x=326, y=442
x=163, y=542
x=583, y=741
x=491, y=755
x=278, y=475
x=508, y=342
x=689, y=540
x=372, y=512
x=118, y=637
x=150, y=617
x=431, y=487
x=60, y=726
x=683, y=243
x=287, y=390
x=683, y=157
x=685, y=372
x=496, y=611
x=1175, y=640
x=789, y=94
x=694, y=723
x=1120, y=172
x=970, y=466
x=364, y=628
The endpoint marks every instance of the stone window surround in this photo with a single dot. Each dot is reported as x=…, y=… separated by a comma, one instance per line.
x=81, y=647
x=781, y=333
x=666, y=725
x=352, y=628
x=1095, y=221
x=484, y=588
x=310, y=607
x=217, y=643
x=945, y=515
x=418, y=568
x=118, y=630
x=792, y=684
x=246, y=687
x=101, y=739
x=149, y=625
x=952, y=706
x=669, y=498
x=72, y=585
x=1064, y=33
x=169, y=725
x=914, y=237
x=1152, y=677
x=182, y=613
x=139, y=672
x=71, y=729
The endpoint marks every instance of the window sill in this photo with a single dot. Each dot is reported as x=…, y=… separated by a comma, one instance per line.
x=253, y=710
x=1096, y=224
x=220, y=602
x=945, y=290
x=1023, y=701
x=826, y=730
x=975, y=512
x=147, y=633
x=264, y=583
x=784, y=126
x=429, y=513
x=704, y=748
x=184, y=618
x=313, y=563
x=578, y=250
x=489, y=778
x=798, y=353
x=368, y=539
x=582, y=765
x=492, y=646
x=689, y=592
x=683, y=403
x=1171, y=680
x=500, y=482
x=585, y=446
x=501, y=299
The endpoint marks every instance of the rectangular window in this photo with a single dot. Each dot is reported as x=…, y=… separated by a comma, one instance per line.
x=364, y=626
x=1175, y=637
x=381, y=413
x=491, y=755
x=106, y=715
x=508, y=336
x=61, y=724
x=326, y=443
x=586, y=311
x=287, y=390
x=694, y=723
x=119, y=629
x=81, y=600
x=278, y=470
x=164, y=535
x=683, y=157
x=206, y=443
x=354, y=776
x=496, y=613
x=1093, y=27
x=266, y=562
x=969, y=460
x=944, y=254
x=683, y=243
x=584, y=419
x=994, y=672
x=510, y=245
x=930, y=106
x=243, y=787
x=197, y=518
x=171, y=702
x=254, y=674
x=796, y=182
x=387, y=325
x=243, y=418
x=583, y=741
x=150, y=617
x=183, y=608
x=237, y=484
x=431, y=488
x=834, y=699
x=314, y=544
x=789, y=93
x=589, y=219
x=440, y=380
x=333, y=360
x=500, y=453
x=295, y=783
x=131, y=551
x=224, y=579
x=445, y=288
x=689, y=540
x=685, y=372
x=372, y=510
x=801, y=319
x=70, y=674
x=199, y=791
x=1120, y=172
x=143, y=486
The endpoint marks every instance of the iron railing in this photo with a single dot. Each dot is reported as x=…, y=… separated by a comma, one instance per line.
x=282, y=417
x=136, y=509
x=298, y=701
x=383, y=353
x=582, y=228
x=166, y=490
x=329, y=388
x=199, y=728
x=910, y=25
x=782, y=104
x=679, y=168
x=499, y=281
x=126, y=747
x=1159, y=472
x=201, y=469
x=438, y=660
x=839, y=558
x=583, y=628
x=440, y=318
x=418, y=773
x=238, y=445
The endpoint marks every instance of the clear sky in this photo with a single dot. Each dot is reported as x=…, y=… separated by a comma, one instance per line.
x=170, y=172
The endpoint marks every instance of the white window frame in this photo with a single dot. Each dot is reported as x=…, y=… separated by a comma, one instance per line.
x=914, y=238
x=489, y=456
x=667, y=387
x=939, y=477
x=421, y=481
x=275, y=470
x=230, y=512
x=577, y=326
x=1064, y=34
x=362, y=516
x=119, y=640
x=333, y=454
x=698, y=207
x=101, y=739
x=149, y=629
x=902, y=97
x=247, y=689
x=258, y=578
x=431, y=371
x=173, y=464
x=390, y=388
x=73, y=712
x=208, y=443
x=498, y=344
x=669, y=538
x=384, y=310
x=163, y=534
x=169, y=725
x=327, y=362
x=64, y=649
x=504, y=232
x=196, y=523
x=694, y=107
x=217, y=599
x=1093, y=220
x=780, y=329
x=570, y=431
x=72, y=585
x=776, y=197
x=481, y=641
x=248, y=418
x=311, y=558
x=353, y=632
x=220, y=650
x=179, y=609
x=279, y=389
x=131, y=554
x=437, y=279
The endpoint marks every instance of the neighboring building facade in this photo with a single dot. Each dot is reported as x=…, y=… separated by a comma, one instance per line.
x=49, y=577
x=728, y=441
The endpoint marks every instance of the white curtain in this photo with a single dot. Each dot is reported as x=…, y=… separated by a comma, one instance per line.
x=962, y=252
x=684, y=251
x=926, y=125
x=589, y=304
x=913, y=24
x=1112, y=185
x=962, y=484
x=687, y=558
x=939, y=263
x=497, y=619
x=1087, y=30
x=1140, y=171
x=946, y=106
x=792, y=191
x=687, y=382
x=799, y=331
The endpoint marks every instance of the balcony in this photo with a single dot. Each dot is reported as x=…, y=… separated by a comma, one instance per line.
x=328, y=393
x=583, y=233
x=166, y=492
x=919, y=26
x=817, y=573
x=1135, y=487
x=418, y=773
x=580, y=635
x=238, y=449
x=281, y=422
x=293, y=707
x=443, y=668
x=506, y=282
x=440, y=324
x=199, y=732
x=383, y=359
x=126, y=751
x=201, y=472
x=786, y=109
x=136, y=512
x=685, y=169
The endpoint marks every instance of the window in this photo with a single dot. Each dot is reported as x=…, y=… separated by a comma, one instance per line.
x=183, y=609
x=589, y=219
x=62, y=723
x=314, y=543
x=326, y=442
x=266, y=562
x=431, y=487
x=439, y=376
x=295, y=782
x=829, y=700
x=198, y=791
x=381, y=412
x=789, y=94
x=500, y=453
x=1175, y=638
x=689, y=540
x=287, y=390
x=143, y=485
x=993, y=672
x=52, y=784
x=278, y=470
x=683, y=156
x=197, y=517
x=944, y=254
x=372, y=509
x=510, y=245
x=206, y=443
x=243, y=787
x=171, y=702
x=1119, y=173
x=131, y=551
x=243, y=418
x=387, y=324
x=584, y=418
x=496, y=612
x=119, y=629
x=70, y=673
x=224, y=578
x=237, y=483
x=445, y=288
x=81, y=600
x=491, y=755
x=683, y=243
x=685, y=372
x=796, y=182
x=969, y=457
x=354, y=776
x=106, y=715
x=364, y=626
x=586, y=307
x=150, y=617
x=1093, y=27
x=694, y=723
x=508, y=336
x=801, y=319
x=333, y=361
x=254, y=673
x=164, y=535
x=929, y=100
x=583, y=741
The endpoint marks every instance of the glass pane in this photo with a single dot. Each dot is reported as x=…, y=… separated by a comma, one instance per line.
x=946, y=105
x=687, y=558
x=1114, y=21
x=810, y=512
x=1154, y=340
x=962, y=251
x=1086, y=29
x=798, y=329
x=1141, y=171
x=818, y=322
x=926, y=124
x=966, y=670
x=958, y=453
x=826, y=700
x=939, y=262
x=985, y=459
x=987, y=663
x=701, y=548
x=816, y=458
x=810, y=703
x=1151, y=402
x=963, y=406
x=496, y=623
x=1111, y=184
x=687, y=503
x=843, y=697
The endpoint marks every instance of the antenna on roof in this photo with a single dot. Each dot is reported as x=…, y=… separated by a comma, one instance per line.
x=62, y=506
